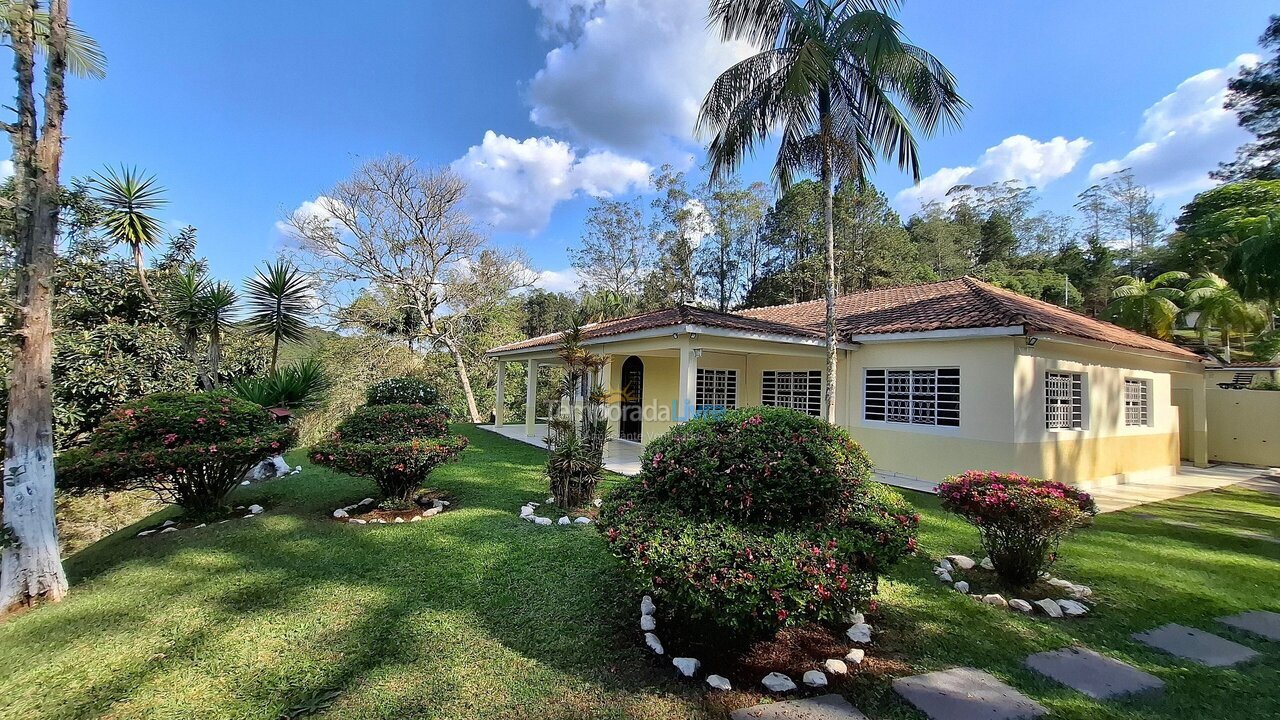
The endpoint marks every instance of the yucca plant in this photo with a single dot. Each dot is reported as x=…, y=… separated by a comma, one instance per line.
x=298, y=386
x=184, y=313
x=219, y=305
x=279, y=300
x=128, y=198
x=576, y=435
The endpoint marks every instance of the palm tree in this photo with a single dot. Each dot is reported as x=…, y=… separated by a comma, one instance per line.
x=1147, y=307
x=1254, y=264
x=219, y=302
x=184, y=311
x=830, y=75
x=127, y=197
x=279, y=300
x=84, y=57
x=1221, y=306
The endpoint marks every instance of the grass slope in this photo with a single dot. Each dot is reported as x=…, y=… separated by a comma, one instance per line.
x=475, y=614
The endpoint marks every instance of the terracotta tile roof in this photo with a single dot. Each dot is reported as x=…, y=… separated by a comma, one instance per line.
x=1271, y=365
x=668, y=317
x=963, y=303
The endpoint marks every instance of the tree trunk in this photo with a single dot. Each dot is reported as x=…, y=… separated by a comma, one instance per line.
x=215, y=354
x=275, y=349
x=140, y=267
x=31, y=567
x=828, y=212
x=463, y=378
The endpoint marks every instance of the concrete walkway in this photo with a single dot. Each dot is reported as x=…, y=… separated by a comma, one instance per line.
x=620, y=456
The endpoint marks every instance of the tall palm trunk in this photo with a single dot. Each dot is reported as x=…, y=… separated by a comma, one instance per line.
x=828, y=213
x=214, y=355
x=140, y=267
x=31, y=566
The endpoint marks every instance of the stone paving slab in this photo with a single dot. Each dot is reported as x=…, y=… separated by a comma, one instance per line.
x=1095, y=675
x=823, y=707
x=1259, y=622
x=965, y=694
x=1195, y=645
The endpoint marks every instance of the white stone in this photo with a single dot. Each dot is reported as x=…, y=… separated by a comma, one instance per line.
x=415, y=518
x=200, y=526
x=945, y=577
x=296, y=471
x=654, y=643
x=1071, y=608
x=532, y=504
x=856, y=618
x=244, y=482
x=1020, y=605
x=946, y=565
x=597, y=502
x=250, y=515
x=564, y=520
x=835, y=667
x=399, y=520
x=380, y=521
x=541, y=521
x=688, y=667
x=551, y=499
x=961, y=586
x=439, y=504
x=431, y=512
x=356, y=521
x=855, y=656
x=647, y=623
x=169, y=530
x=860, y=633
x=986, y=564
x=646, y=605
x=367, y=501
x=961, y=561
x=1079, y=592
x=526, y=511
x=815, y=679
x=1049, y=607
x=777, y=682
x=340, y=513
x=255, y=509
x=582, y=520
x=167, y=523
x=996, y=600
x=281, y=466
x=1059, y=582
x=719, y=682
x=145, y=533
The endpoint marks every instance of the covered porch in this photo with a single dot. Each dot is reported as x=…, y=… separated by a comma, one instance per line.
x=620, y=456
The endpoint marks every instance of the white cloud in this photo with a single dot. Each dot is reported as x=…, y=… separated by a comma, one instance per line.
x=1184, y=135
x=1017, y=157
x=630, y=74
x=515, y=184
x=318, y=208
x=563, y=281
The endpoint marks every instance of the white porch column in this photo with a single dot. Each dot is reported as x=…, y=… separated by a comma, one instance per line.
x=687, y=382
x=500, y=395
x=604, y=376
x=531, y=398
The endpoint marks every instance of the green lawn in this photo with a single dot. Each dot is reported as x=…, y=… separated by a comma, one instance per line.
x=477, y=614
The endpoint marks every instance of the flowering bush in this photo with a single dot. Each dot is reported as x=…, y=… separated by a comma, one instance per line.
x=393, y=423
x=190, y=449
x=1021, y=520
x=757, y=519
x=402, y=391
x=398, y=468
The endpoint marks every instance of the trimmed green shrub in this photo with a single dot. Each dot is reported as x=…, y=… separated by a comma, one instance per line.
x=751, y=520
x=1021, y=520
x=399, y=469
x=190, y=449
x=392, y=423
x=402, y=391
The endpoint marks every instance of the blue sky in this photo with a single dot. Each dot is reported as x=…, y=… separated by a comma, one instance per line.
x=246, y=110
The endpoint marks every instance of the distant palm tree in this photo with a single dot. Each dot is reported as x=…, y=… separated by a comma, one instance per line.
x=1150, y=308
x=830, y=75
x=279, y=302
x=1222, y=307
x=219, y=303
x=127, y=198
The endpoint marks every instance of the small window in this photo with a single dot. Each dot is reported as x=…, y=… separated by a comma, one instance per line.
x=716, y=389
x=1137, y=402
x=799, y=390
x=913, y=397
x=1064, y=401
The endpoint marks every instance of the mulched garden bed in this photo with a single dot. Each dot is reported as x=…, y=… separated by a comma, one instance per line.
x=425, y=505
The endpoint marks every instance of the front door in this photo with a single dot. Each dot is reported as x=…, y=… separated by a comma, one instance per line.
x=632, y=396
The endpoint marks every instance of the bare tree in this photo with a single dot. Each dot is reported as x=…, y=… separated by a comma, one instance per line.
x=31, y=567
x=398, y=226
x=616, y=249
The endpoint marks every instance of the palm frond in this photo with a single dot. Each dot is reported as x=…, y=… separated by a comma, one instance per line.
x=128, y=197
x=279, y=300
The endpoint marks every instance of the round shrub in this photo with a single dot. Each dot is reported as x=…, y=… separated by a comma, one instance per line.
x=1021, y=520
x=756, y=519
x=397, y=468
x=762, y=465
x=402, y=391
x=190, y=449
x=392, y=423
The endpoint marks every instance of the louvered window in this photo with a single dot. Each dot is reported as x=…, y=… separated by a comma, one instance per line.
x=799, y=390
x=1064, y=401
x=914, y=397
x=716, y=389
x=1137, y=402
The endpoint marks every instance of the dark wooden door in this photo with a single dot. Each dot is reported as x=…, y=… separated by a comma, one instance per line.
x=632, y=399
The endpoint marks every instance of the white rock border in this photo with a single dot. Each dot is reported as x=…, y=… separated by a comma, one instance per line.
x=527, y=512
x=1073, y=606
x=344, y=513
x=170, y=526
x=775, y=682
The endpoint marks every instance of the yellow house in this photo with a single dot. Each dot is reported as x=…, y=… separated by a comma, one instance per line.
x=932, y=379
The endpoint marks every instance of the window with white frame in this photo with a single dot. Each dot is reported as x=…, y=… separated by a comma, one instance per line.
x=716, y=389
x=914, y=397
x=1064, y=401
x=1137, y=402
x=796, y=389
